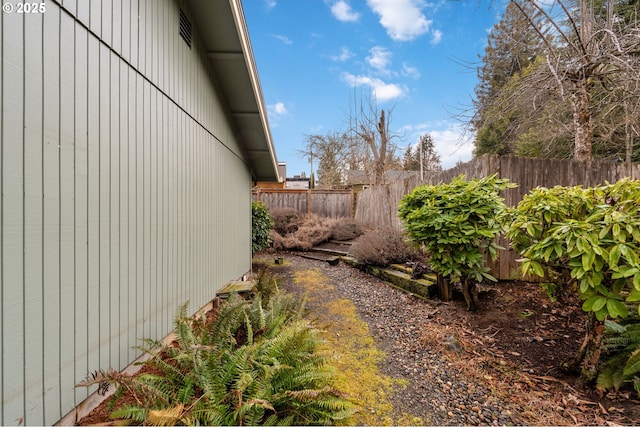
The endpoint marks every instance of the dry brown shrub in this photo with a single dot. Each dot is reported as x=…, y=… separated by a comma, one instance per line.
x=277, y=241
x=346, y=229
x=286, y=220
x=311, y=232
x=383, y=247
x=293, y=231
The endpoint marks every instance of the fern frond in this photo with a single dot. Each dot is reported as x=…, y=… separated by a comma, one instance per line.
x=612, y=327
x=210, y=413
x=621, y=345
x=632, y=366
x=149, y=346
x=165, y=417
x=182, y=325
x=169, y=371
x=186, y=393
x=256, y=312
x=249, y=328
x=230, y=319
x=130, y=412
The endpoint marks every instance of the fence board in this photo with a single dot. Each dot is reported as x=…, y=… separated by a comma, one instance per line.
x=326, y=203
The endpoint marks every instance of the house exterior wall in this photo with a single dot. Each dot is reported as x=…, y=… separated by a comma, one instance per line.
x=124, y=193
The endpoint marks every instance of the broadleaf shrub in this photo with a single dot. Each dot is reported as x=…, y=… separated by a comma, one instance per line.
x=457, y=223
x=587, y=239
x=592, y=233
x=261, y=225
x=383, y=247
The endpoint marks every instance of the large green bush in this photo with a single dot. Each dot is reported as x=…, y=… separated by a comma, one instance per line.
x=586, y=239
x=535, y=215
x=261, y=225
x=457, y=223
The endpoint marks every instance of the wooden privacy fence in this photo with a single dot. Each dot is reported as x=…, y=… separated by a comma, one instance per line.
x=377, y=206
x=531, y=173
x=327, y=203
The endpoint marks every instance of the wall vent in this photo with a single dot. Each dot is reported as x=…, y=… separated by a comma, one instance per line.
x=185, y=28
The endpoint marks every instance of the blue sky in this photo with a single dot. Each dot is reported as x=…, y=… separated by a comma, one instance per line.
x=417, y=57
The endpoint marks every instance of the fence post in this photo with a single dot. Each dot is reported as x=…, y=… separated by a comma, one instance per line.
x=352, y=209
x=308, y=201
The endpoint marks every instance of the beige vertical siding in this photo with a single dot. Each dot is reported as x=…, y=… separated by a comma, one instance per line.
x=124, y=194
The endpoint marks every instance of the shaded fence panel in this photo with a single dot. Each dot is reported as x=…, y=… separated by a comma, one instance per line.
x=274, y=199
x=332, y=203
x=326, y=203
x=377, y=206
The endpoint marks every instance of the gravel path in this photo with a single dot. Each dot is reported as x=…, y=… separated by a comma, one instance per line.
x=437, y=391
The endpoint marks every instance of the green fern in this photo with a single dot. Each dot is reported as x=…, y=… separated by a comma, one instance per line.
x=258, y=363
x=130, y=412
x=621, y=345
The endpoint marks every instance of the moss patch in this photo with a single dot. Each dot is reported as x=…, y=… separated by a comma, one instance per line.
x=269, y=261
x=354, y=354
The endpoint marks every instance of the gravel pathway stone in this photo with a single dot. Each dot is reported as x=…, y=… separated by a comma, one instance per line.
x=436, y=392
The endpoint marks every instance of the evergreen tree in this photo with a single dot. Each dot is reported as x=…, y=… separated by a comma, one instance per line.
x=410, y=161
x=430, y=157
x=512, y=46
x=574, y=94
x=331, y=151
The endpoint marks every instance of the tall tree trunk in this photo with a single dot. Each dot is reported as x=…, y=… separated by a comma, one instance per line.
x=582, y=119
x=382, y=153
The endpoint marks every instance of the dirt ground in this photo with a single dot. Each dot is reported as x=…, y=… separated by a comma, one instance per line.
x=517, y=324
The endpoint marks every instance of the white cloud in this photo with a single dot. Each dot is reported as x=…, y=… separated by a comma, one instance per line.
x=283, y=39
x=343, y=12
x=452, y=143
x=436, y=37
x=276, y=111
x=344, y=55
x=271, y=3
x=403, y=19
x=409, y=71
x=280, y=108
x=381, y=91
x=380, y=58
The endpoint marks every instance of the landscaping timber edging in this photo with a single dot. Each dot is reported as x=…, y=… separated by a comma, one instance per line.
x=419, y=287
